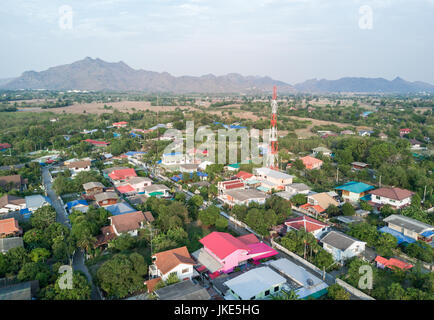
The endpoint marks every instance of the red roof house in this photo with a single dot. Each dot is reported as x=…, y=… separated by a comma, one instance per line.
x=392, y=263
x=311, y=162
x=4, y=146
x=120, y=124
x=97, y=143
x=9, y=227
x=122, y=174
x=308, y=224
x=243, y=175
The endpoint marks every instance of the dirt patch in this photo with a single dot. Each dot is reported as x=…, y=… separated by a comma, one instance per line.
x=98, y=107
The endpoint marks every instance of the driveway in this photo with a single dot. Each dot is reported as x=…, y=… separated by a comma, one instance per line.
x=61, y=216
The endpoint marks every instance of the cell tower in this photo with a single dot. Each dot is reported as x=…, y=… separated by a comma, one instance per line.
x=272, y=161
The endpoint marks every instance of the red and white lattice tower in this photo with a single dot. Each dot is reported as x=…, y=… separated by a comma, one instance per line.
x=272, y=153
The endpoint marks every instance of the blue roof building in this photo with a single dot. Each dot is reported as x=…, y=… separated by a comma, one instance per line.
x=75, y=203
x=352, y=191
x=120, y=208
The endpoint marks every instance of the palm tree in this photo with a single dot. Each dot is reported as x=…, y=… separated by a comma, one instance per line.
x=86, y=243
x=285, y=295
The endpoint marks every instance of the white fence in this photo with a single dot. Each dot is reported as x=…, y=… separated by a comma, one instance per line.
x=323, y=275
x=353, y=291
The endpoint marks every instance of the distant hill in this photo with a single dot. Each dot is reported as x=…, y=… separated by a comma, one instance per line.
x=98, y=75
x=364, y=85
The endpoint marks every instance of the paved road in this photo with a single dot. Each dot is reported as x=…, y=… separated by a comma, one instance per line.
x=61, y=216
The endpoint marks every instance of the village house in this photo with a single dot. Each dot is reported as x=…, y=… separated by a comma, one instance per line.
x=80, y=205
x=129, y=223
x=256, y=284
x=34, y=202
x=175, y=261
x=92, y=188
x=297, y=188
x=382, y=136
x=408, y=230
x=415, y=144
x=188, y=167
x=120, y=208
x=121, y=124
x=392, y=263
x=324, y=151
x=9, y=227
x=78, y=166
x=353, y=191
x=304, y=283
x=272, y=179
x=315, y=227
x=358, y=165
x=347, y=132
x=122, y=175
x=243, y=197
x=222, y=252
x=96, y=143
x=10, y=203
x=403, y=132
x=223, y=186
x=318, y=203
x=5, y=146
x=175, y=158
x=157, y=190
x=397, y=198
x=244, y=176
x=13, y=182
x=311, y=163
x=342, y=246
x=106, y=198
x=365, y=133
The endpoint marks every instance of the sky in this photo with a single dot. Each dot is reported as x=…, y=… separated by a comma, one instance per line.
x=288, y=40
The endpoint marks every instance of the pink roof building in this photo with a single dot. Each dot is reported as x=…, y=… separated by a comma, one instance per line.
x=229, y=252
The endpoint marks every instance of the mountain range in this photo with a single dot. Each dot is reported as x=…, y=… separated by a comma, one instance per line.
x=98, y=75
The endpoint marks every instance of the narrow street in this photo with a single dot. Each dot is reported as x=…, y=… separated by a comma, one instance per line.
x=78, y=258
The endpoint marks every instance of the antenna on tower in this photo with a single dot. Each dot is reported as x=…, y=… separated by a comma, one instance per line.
x=272, y=154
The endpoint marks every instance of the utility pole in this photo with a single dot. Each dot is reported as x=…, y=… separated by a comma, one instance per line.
x=379, y=183
x=337, y=175
x=424, y=194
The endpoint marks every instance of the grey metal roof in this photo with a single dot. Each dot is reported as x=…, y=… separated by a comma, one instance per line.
x=338, y=240
x=8, y=243
x=185, y=290
x=246, y=194
x=255, y=281
x=91, y=185
x=408, y=223
x=36, y=201
x=105, y=195
x=299, y=186
x=207, y=260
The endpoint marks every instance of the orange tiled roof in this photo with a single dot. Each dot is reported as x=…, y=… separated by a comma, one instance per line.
x=167, y=260
x=9, y=226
